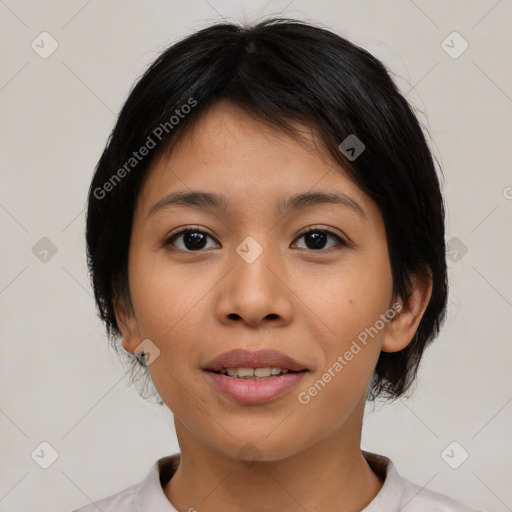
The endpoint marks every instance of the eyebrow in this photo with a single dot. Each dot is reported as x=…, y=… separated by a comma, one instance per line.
x=208, y=200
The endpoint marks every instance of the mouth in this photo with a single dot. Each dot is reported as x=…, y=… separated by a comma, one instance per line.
x=253, y=390
x=263, y=373
x=260, y=360
x=259, y=377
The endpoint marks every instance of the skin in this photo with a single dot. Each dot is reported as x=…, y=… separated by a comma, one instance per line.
x=305, y=302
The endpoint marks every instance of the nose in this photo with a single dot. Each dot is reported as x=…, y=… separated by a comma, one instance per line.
x=255, y=292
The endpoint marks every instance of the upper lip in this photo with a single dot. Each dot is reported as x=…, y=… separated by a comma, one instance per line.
x=240, y=358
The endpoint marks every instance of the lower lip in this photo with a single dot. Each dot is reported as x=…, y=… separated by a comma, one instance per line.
x=247, y=391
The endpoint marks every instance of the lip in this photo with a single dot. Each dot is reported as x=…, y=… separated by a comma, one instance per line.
x=254, y=391
x=240, y=358
x=246, y=391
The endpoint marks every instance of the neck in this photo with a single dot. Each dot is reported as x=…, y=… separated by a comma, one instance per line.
x=329, y=475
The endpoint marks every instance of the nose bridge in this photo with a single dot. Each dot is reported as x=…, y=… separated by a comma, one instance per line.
x=253, y=290
x=252, y=261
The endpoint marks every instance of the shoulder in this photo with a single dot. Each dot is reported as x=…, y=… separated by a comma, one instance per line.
x=121, y=501
x=399, y=494
x=146, y=495
x=418, y=499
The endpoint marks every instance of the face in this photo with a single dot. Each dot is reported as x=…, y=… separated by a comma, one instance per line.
x=251, y=277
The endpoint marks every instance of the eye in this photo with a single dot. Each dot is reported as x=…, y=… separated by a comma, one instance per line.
x=193, y=239
x=316, y=238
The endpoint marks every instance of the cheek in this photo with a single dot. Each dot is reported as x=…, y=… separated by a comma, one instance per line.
x=166, y=305
x=164, y=296
x=371, y=287
x=337, y=389
x=351, y=304
x=350, y=299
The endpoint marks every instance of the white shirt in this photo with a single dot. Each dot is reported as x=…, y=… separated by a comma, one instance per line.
x=396, y=494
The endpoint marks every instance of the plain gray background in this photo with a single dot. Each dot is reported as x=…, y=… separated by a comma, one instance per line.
x=61, y=385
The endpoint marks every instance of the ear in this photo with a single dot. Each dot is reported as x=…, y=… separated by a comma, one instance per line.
x=128, y=325
x=403, y=326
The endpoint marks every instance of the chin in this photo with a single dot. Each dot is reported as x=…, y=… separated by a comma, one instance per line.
x=253, y=449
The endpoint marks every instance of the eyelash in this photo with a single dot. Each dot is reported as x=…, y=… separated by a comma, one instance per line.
x=312, y=229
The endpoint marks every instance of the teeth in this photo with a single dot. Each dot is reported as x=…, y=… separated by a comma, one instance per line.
x=245, y=373
x=262, y=372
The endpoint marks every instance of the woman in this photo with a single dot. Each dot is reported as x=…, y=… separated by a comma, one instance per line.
x=265, y=236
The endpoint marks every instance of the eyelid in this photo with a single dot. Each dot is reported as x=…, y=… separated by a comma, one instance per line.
x=325, y=229
x=343, y=240
x=183, y=229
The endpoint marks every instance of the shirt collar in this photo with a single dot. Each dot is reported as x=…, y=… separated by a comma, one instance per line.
x=390, y=495
x=150, y=494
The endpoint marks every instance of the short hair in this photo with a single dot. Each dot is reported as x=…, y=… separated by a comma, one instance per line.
x=280, y=72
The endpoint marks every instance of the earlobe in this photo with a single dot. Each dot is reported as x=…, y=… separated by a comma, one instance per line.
x=128, y=325
x=401, y=329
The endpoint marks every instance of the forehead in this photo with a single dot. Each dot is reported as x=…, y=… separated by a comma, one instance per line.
x=229, y=152
x=225, y=135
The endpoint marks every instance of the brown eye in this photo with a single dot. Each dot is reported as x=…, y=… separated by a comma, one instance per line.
x=191, y=239
x=316, y=239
